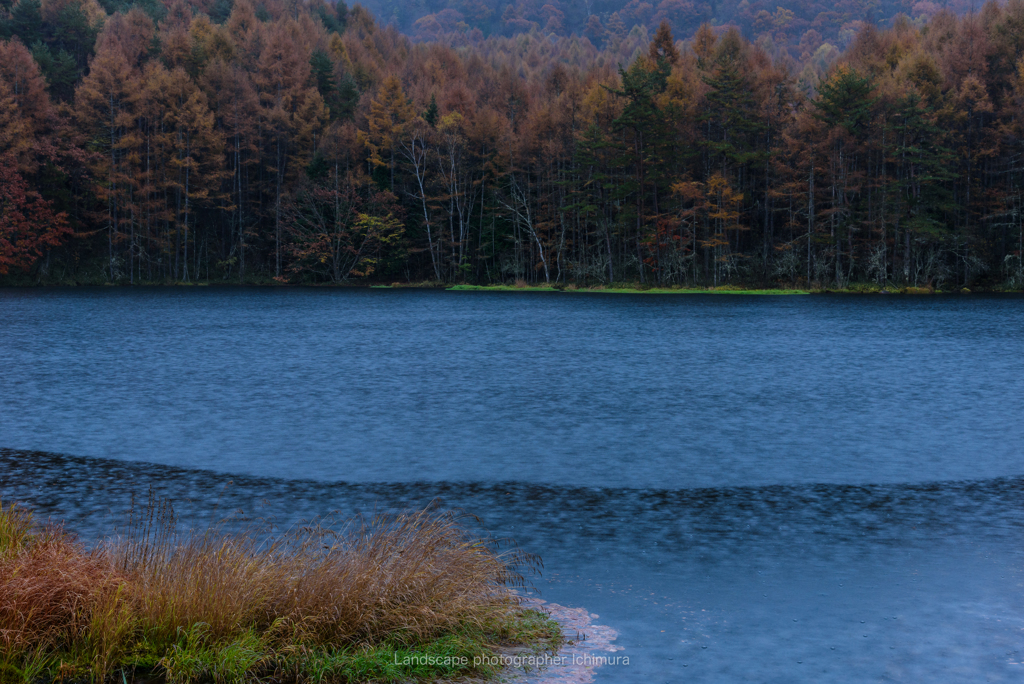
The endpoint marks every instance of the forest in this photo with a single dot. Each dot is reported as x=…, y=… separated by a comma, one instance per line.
x=288, y=141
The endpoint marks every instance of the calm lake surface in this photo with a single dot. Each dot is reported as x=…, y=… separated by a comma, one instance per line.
x=768, y=489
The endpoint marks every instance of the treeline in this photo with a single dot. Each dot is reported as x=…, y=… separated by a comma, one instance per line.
x=305, y=143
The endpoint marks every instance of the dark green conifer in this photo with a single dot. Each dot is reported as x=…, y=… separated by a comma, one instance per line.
x=430, y=116
x=60, y=70
x=25, y=22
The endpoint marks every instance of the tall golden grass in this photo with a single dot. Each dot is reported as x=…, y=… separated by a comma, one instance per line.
x=402, y=579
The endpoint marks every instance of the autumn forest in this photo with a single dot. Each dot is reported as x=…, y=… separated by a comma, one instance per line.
x=262, y=141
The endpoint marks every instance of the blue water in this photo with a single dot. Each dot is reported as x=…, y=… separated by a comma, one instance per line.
x=770, y=478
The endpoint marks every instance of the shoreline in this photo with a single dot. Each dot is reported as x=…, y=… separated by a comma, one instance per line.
x=565, y=289
x=622, y=290
x=576, y=661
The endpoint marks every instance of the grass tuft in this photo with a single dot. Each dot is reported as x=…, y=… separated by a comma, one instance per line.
x=386, y=599
x=15, y=528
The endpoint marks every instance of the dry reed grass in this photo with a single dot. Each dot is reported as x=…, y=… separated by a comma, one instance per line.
x=47, y=592
x=152, y=589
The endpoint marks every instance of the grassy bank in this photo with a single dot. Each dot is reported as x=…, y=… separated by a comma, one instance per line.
x=623, y=290
x=398, y=598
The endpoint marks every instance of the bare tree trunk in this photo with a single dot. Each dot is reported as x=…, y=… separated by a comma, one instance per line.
x=277, y=215
x=241, y=211
x=810, y=222
x=416, y=153
x=188, y=169
x=520, y=209
x=111, y=202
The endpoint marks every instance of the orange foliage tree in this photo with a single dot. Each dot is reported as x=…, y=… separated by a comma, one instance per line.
x=28, y=224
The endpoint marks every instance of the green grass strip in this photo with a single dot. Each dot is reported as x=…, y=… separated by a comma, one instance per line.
x=621, y=290
x=195, y=657
x=500, y=288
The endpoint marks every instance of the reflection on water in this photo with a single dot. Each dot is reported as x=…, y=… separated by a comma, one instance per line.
x=905, y=582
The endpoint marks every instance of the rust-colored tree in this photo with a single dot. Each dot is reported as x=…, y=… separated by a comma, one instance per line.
x=28, y=224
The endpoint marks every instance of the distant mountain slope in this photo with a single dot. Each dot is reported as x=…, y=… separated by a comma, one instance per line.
x=799, y=27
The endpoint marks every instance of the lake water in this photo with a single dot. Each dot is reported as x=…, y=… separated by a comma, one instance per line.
x=770, y=489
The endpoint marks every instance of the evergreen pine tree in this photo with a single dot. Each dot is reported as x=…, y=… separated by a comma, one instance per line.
x=430, y=116
x=25, y=22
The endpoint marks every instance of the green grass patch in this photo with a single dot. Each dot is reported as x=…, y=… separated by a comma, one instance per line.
x=691, y=291
x=502, y=288
x=621, y=290
x=196, y=656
